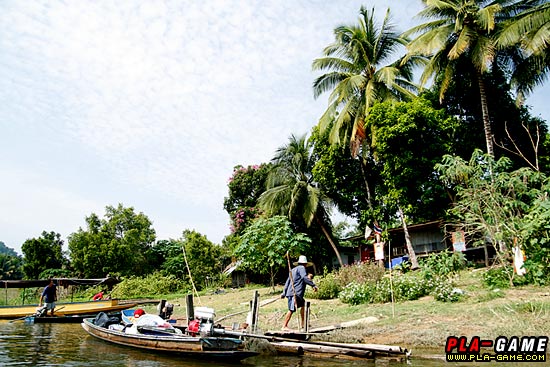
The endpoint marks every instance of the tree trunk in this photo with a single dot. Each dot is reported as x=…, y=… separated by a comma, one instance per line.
x=364, y=174
x=485, y=114
x=410, y=249
x=329, y=238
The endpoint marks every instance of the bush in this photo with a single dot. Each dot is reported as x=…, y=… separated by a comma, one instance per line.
x=404, y=287
x=443, y=263
x=153, y=285
x=498, y=277
x=359, y=273
x=328, y=287
x=410, y=287
x=445, y=291
x=356, y=294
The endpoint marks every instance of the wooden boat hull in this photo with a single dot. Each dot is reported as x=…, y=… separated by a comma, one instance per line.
x=211, y=348
x=67, y=309
x=68, y=319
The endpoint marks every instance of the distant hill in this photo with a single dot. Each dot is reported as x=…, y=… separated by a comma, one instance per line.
x=7, y=250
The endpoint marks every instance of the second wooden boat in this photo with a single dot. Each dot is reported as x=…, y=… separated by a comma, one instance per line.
x=174, y=342
x=86, y=308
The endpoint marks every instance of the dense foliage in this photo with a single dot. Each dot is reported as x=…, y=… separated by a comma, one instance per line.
x=11, y=267
x=409, y=139
x=149, y=286
x=118, y=244
x=508, y=208
x=11, y=264
x=43, y=253
x=245, y=187
x=268, y=243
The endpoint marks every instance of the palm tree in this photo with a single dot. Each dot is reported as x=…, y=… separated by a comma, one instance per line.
x=358, y=74
x=528, y=32
x=459, y=31
x=291, y=190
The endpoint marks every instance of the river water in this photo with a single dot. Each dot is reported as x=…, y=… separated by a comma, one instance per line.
x=68, y=345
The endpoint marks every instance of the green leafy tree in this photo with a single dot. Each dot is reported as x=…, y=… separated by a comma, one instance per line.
x=266, y=242
x=340, y=175
x=118, y=244
x=7, y=250
x=411, y=137
x=245, y=187
x=11, y=267
x=291, y=190
x=43, y=253
x=169, y=257
x=203, y=257
x=509, y=208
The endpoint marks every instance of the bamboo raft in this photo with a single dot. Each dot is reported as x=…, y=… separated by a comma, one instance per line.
x=300, y=343
x=290, y=346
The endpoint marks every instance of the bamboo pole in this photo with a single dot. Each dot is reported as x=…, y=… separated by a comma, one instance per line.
x=190, y=276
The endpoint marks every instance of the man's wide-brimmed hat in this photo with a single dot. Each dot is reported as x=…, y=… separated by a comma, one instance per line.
x=302, y=260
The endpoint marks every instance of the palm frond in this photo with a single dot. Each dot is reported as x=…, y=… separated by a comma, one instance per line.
x=326, y=82
x=431, y=41
x=462, y=43
x=332, y=63
x=486, y=17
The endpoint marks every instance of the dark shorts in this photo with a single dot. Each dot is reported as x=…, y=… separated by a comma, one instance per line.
x=299, y=301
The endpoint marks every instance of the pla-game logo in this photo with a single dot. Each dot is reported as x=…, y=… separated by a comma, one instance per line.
x=502, y=349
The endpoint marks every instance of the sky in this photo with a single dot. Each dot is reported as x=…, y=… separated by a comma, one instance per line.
x=151, y=104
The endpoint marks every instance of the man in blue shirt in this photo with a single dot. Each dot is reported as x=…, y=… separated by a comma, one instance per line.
x=49, y=296
x=295, y=288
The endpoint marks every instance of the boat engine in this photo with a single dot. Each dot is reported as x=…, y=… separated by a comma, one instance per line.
x=203, y=323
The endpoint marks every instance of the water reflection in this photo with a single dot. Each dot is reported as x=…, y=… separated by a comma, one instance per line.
x=68, y=345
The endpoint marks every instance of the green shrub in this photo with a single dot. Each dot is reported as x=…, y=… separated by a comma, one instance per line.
x=328, y=287
x=443, y=263
x=356, y=294
x=359, y=273
x=153, y=285
x=445, y=291
x=410, y=287
x=498, y=277
x=404, y=288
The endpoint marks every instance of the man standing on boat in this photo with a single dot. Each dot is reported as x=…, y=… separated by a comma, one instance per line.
x=49, y=296
x=295, y=288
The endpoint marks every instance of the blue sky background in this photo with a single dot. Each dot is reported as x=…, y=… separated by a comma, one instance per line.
x=152, y=103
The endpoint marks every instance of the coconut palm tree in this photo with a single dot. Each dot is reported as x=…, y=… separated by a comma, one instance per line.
x=527, y=31
x=459, y=31
x=291, y=190
x=359, y=72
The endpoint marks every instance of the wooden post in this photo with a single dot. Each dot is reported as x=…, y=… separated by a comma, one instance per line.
x=254, y=309
x=162, y=312
x=306, y=321
x=189, y=307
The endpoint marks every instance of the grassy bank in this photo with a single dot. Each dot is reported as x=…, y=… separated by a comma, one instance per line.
x=422, y=323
